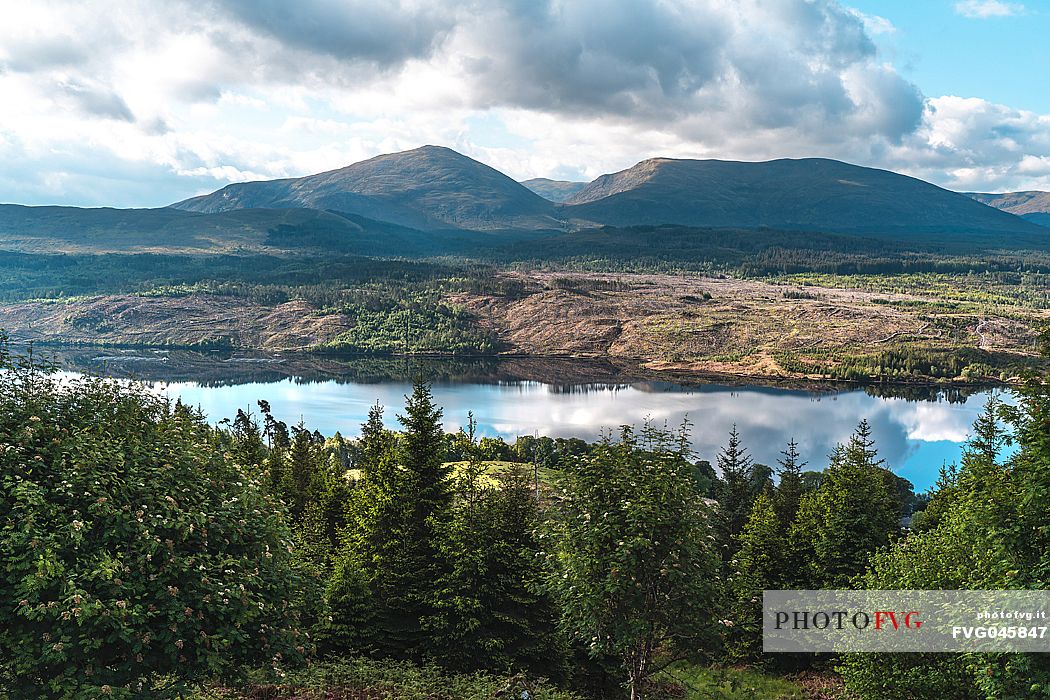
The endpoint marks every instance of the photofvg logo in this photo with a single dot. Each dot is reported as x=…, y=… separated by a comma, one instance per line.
x=880, y=620
x=905, y=621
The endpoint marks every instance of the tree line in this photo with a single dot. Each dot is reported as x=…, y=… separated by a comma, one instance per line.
x=145, y=551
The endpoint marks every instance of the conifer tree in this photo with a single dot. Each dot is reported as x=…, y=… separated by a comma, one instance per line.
x=398, y=514
x=491, y=614
x=789, y=489
x=757, y=566
x=734, y=494
x=801, y=568
x=632, y=565
x=357, y=591
x=277, y=442
x=856, y=514
x=301, y=480
x=248, y=446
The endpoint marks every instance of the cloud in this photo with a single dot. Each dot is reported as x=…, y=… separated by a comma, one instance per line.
x=983, y=9
x=97, y=101
x=187, y=96
x=974, y=144
x=384, y=33
x=703, y=70
x=873, y=24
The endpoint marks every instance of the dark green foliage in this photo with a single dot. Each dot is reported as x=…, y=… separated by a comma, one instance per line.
x=790, y=486
x=735, y=493
x=135, y=551
x=246, y=440
x=491, y=613
x=633, y=566
x=418, y=324
x=397, y=516
x=855, y=513
x=362, y=677
x=302, y=479
x=757, y=566
x=988, y=530
x=903, y=364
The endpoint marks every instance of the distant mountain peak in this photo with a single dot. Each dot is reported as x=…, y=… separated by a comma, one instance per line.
x=816, y=194
x=434, y=187
x=430, y=187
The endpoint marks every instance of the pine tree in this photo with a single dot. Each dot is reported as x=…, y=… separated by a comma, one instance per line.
x=248, y=446
x=397, y=515
x=277, y=442
x=490, y=613
x=856, y=513
x=734, y=494
x=789, y=490
x=357, y=591
x=301, y=479
x=758, y=566
x=801, y=568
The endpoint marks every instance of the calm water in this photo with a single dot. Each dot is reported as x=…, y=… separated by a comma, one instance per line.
x=560, y=399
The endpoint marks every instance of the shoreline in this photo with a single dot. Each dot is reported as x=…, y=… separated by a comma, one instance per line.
x=568, y=369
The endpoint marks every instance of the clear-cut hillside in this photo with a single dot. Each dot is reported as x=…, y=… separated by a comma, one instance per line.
x=427, y=188
x=807, y=194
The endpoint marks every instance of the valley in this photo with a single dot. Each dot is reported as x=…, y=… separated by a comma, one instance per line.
x=685, y=324
x=807, y=269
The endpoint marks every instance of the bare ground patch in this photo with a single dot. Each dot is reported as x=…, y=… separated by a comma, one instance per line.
x=195, y=320
x=729, y=326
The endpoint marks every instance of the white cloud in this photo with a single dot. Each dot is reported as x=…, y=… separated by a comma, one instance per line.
x=983, y=9
x=146, y=103
x=873, y=24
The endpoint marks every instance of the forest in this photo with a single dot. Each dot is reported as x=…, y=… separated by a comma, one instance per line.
x=149, y=554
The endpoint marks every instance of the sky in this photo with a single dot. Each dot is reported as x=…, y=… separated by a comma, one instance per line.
x=137, y=103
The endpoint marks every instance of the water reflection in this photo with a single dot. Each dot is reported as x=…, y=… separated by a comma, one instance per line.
x=917, y=429
x=915, y=438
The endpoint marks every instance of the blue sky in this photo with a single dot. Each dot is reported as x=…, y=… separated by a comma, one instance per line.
x=1004, y=58
x=104, y=102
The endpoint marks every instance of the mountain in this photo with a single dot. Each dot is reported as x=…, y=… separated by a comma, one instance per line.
x=1031, y=205
x=812, y=194
x=1020, y=203
x=554, y=190
x=426, y=188
x=434, y=201
x=103, y=230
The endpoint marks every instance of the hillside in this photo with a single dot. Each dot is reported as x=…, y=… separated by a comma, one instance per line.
x=1020, y=203
x=434, y=201
x=809, y=194
x=435, y=189
x=428, y=188
x=74, y=230
x=1032, y=205
x=554, y=190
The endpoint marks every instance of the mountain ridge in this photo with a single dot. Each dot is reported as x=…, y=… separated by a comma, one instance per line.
x=555, y=190
x=807, y=194
x=431, y=187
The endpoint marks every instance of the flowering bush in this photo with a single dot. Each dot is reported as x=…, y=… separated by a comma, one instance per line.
x=135, y=556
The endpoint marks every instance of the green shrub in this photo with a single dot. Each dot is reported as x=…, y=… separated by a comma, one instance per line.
x=366, y=678
x=136, y=557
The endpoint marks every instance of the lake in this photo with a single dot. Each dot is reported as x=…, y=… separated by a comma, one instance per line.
x=917, y=429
